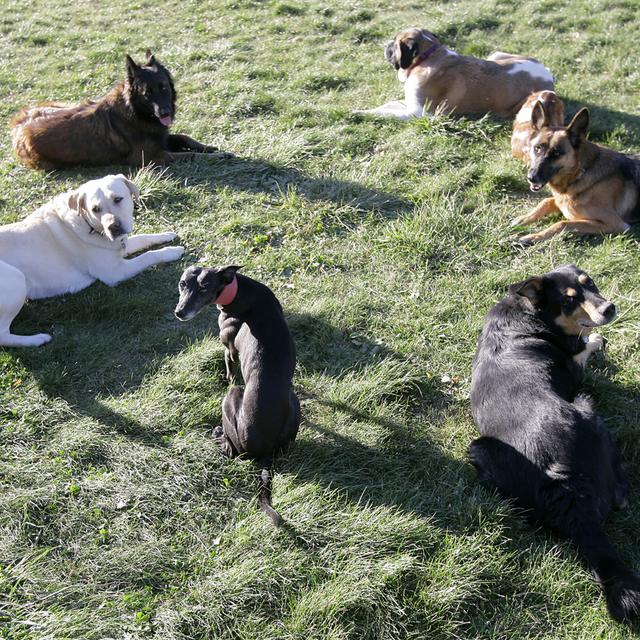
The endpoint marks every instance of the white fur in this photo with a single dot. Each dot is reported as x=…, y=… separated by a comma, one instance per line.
x=411, y=107
x=534, y=69
x=54, y=251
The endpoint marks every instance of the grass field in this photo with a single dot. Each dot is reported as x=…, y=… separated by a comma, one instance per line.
x=386, y=243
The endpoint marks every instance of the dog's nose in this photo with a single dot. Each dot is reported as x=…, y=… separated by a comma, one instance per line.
x=115, y=229
x=608, y=310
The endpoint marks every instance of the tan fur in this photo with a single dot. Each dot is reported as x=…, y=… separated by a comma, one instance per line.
x=594, y=187
x=450, y=82
x=523, y=130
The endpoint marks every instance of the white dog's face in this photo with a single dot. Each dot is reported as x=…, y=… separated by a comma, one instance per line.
x=107, y=205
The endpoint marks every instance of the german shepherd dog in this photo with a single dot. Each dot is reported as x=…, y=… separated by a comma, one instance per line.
x=130, y=125
x=542, y=444
x=596, y=189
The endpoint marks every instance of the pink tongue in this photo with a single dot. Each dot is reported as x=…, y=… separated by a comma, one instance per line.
x=166, y=121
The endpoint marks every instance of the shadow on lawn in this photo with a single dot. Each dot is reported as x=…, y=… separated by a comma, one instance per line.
x=261, y=176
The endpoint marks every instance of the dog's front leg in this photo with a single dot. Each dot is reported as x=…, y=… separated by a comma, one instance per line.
x=173, y=156
x=395, y=109
x=180, y=142
x=143, y=241
x=545, y=208
x=593, y=343
x=129, y=268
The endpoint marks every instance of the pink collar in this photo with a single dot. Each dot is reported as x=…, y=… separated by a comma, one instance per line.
x=423, y=56
x=228, y=294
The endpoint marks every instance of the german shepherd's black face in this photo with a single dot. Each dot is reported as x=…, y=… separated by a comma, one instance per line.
x=199, y=287
x=150, y=90
x=554, y=150
x=567, y=298
x=406, y=46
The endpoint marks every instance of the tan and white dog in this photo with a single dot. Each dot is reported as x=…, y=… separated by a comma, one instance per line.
x=523, y=128
x=440, y=80
x=67, y=244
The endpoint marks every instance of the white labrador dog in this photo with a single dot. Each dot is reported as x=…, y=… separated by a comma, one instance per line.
x=67, y=244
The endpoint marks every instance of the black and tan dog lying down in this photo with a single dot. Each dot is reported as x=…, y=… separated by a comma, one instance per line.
x=542, y=444
x=261, y=420
x=129, y=125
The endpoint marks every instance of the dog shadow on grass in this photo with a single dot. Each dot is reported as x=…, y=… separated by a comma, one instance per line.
x=261, y=176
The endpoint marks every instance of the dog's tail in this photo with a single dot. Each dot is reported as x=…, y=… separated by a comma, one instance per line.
x=264, y=497
x=621, y=584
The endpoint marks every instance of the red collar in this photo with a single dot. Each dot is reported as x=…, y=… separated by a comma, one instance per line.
x=423, y=56
x=228, y=294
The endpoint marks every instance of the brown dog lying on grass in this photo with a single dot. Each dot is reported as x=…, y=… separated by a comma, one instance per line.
x=596, y=189
x=443, y=81
x=130, y=125
x=523, y=129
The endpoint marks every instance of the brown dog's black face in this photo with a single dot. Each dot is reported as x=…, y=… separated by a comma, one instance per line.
x=151, y=91
x=554, y=150
x=199, y=287
x=567, y=298
x=406, y=46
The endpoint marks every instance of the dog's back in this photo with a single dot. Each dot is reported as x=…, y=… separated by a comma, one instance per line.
x=541, y=443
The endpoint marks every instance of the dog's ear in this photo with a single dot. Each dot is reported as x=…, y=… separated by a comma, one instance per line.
x=531, y=289
x=150, y=58
x=77, y=201
x=132, y=68
x=228, y=273
x=133, y=189
x=538, y=116
x=577, y=128
x=408, y=51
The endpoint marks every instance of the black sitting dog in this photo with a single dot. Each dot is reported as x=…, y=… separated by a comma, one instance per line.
x=262, y=419
x=542, y=444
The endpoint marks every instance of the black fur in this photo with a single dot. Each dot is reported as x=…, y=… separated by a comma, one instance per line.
x=542, y=445
x=260, y=420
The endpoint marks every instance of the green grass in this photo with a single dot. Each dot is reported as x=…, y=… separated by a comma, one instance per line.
x=386, y=243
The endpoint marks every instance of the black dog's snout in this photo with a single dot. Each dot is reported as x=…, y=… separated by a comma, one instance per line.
x=608, y=310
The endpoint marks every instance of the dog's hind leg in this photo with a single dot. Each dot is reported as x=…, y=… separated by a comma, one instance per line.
x=13, y=293
x=228, y=438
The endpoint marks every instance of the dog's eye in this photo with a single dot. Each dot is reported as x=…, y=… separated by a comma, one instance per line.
x=118, y=199
x=537, y=148
x=95, y=208
x=182, y=285
x=161, y=87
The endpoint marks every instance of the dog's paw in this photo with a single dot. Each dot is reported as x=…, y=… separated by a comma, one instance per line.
x=167, y=236
x=528, y=240
x=38, y=340
x=171, y=254
x=220, y=155
x=520, y=221
x=218, y=433
x=596, y=342
x=208, y=148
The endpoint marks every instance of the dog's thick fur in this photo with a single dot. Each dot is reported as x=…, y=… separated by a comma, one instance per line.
x=69, y=243
x=542, y=445
x=261, y=420
x=523, y=129
x=596, y=189
x=130, y=125
x=443, y=81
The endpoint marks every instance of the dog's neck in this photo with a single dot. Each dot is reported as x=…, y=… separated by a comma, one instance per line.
x=422, y=57
x=228, y=294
